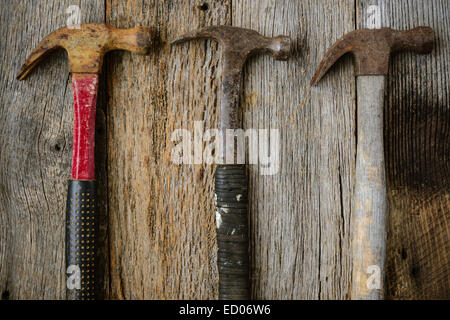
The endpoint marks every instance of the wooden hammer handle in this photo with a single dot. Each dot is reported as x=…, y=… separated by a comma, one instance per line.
x=232, y=231
x=369, y=218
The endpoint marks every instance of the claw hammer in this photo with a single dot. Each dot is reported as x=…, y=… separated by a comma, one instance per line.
x=371, y=49
x=85, y=47
x=231, y=184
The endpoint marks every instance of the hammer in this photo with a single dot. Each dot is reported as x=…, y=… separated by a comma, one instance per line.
x=371, y=49
x=85, y=47
x=231, y=184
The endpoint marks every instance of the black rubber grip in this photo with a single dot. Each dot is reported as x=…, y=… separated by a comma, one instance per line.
x=81, y=240
x=232, y=232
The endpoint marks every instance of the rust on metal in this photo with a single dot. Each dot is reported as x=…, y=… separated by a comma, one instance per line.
x=87, y=45
x=238, y=44
x=372, y=48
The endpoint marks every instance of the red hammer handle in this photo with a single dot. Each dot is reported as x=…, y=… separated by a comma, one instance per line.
x=81, y=217
x=84, y=101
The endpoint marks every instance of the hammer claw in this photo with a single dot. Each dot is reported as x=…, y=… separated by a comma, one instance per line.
x=336, y=51
x=47, y=45
x=212, y=32
x=183, y=38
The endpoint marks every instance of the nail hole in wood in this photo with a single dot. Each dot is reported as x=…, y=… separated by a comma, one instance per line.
x=204, y=6
x=415, y=271
x=404, y=255
x=5, y=295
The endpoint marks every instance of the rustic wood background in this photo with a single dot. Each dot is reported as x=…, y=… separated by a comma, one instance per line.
x=158, y=228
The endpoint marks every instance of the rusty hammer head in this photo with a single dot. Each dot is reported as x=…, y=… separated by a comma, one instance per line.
x=372, y=48
x=87, y=45
x=239, y=43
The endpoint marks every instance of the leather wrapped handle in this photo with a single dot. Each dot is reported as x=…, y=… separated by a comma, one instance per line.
x=231, y=189
x=81, y=240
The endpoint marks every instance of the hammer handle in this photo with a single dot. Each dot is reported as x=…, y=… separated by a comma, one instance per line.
x=231, y=191
x=84, y=102
x=369, y=219
x=81, y=240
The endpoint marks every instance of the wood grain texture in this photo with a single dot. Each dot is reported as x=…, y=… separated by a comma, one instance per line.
x=300, y=217
x=158, y=228
x=368, y=239
x=161, y=227
x=35, y=150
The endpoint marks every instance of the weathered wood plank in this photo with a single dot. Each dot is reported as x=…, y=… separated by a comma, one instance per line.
x=165, y=222
x=416, y=130
x=162, y=229
x=35, y=150
x=300, y=217
x=158, y=229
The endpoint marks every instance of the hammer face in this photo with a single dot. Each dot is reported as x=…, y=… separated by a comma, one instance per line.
x=281, y=47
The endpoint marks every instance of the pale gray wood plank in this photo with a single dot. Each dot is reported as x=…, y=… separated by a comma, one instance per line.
x=300, y=217
x=35, y=156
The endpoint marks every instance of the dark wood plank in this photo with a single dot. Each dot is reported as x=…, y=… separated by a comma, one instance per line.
x=161, y=227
